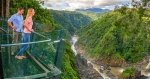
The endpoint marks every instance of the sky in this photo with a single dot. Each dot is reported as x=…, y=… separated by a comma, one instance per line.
x=83, y=4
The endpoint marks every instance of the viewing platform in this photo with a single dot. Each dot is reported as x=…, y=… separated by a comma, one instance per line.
x=44, y=54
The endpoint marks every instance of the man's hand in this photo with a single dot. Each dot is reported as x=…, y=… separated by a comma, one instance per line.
x=11, y=25
x=14, y=27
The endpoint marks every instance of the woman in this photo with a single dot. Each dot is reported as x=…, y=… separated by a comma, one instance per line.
x=26, y=33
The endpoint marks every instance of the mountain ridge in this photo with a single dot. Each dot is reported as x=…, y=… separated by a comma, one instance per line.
x=93, y=10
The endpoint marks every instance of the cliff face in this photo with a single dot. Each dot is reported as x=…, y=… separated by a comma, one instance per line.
x=85, y=70
x=112, y=61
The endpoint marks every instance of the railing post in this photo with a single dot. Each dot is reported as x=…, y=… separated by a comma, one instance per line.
x=1, y=65
x=59, y=53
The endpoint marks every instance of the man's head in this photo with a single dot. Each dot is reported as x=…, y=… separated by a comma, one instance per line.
x=20, y=11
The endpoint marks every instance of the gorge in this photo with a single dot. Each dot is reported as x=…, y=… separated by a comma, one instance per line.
x=90, y=68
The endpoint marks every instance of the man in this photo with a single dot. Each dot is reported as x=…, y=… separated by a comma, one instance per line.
x=16, y=23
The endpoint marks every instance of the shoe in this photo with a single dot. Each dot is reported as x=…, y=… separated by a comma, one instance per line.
x=19, y=57
x=23, y=56
x=12, y=53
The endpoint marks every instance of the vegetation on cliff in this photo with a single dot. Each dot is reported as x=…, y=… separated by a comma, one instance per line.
x=70, y=20
x=123, y=33
x=93, y=15
x=69, y=64
x=130, y=73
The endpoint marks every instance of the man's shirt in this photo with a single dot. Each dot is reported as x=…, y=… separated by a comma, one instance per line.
x=17, y=21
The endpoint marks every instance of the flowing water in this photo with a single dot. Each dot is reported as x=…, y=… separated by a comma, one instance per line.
x=73, y=41
x=114, y=70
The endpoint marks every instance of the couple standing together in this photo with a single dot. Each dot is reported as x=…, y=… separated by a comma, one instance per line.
x=17, y=23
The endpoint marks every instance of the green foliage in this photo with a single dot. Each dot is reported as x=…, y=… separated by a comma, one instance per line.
x=129, y=72
x=42, y=15
x=93, y=15
x=141, y=12
x=70, y=20
x=120, y=34
x=62, y=22
x=123, y=9
x=69, y=67
x=145, y=2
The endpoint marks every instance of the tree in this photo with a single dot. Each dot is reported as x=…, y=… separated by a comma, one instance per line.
x=142, y=3
x=7, y=8
x=145, y=2
x=116, y=7
x=136, y=4
x=2, y=7
x=41, y=2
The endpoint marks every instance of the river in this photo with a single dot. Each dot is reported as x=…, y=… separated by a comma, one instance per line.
x=114, y=70
x=73, y=41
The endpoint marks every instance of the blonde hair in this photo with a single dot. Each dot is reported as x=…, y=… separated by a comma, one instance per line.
x=29, y=13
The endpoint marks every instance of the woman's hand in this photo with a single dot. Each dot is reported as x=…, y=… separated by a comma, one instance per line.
x=32, y=30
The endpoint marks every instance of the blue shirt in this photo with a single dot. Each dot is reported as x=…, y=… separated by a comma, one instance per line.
x=17, y=21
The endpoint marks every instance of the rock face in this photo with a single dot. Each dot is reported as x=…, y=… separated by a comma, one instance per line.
x=110, y=75
x=112, y=61
x=85, y=70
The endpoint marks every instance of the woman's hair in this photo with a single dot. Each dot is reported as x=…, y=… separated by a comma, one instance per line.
x=29, y=13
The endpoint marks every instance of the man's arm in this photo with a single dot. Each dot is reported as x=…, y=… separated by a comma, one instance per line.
x=10, y=20
x=10, y=24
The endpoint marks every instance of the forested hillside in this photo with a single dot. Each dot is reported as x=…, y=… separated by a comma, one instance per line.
x=69, y=67
x=70, y=20
x=93, y=15
x=122, y=34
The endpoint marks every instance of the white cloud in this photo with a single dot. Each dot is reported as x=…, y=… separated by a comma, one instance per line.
x=78, y=4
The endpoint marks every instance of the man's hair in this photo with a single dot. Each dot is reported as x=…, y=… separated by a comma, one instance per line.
x=20, y=8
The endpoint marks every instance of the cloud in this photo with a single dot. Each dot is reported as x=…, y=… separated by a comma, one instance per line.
x=82, y=4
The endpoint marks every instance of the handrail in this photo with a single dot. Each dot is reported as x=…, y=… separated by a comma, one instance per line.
x=41, y=35
x=3, y=30
x=16, y=44
x=31, y=76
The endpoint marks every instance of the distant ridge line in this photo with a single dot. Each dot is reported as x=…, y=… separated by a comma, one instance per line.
x=93, y=10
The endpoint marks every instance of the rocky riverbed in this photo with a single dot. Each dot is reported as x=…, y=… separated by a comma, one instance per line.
x=96, y=69
x=86, y=70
